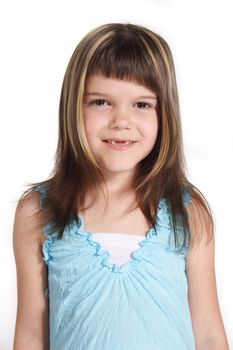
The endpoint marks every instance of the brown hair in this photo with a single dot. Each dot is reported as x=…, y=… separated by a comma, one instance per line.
x=134, y=53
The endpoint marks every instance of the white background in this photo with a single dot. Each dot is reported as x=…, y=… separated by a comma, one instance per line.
x=37, y=40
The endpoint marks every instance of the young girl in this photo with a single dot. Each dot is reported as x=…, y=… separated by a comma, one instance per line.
x=115, y=251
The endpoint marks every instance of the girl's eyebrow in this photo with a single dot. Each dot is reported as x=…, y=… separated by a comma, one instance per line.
x=102, y=94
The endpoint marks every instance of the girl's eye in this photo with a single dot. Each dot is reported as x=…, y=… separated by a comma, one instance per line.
x=100, y=102
x=143, y=105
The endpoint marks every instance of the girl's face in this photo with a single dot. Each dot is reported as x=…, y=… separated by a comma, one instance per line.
x=121, y=123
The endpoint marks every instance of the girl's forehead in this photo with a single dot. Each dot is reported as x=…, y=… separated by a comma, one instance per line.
x=97, y=83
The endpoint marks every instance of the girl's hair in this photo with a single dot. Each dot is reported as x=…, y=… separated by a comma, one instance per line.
x=137, y=54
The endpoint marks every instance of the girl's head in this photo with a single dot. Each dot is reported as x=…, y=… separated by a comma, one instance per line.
x=124, y=53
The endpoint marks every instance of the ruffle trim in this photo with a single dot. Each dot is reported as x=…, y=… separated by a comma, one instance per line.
x=136, y=255
x=47, y=246
x=42, y=190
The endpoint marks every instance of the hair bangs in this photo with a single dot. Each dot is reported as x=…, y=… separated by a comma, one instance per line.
x=124, y=58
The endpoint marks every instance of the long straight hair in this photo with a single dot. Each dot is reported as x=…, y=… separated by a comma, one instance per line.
x=133, y=53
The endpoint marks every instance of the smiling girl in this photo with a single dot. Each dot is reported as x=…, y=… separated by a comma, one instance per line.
x=115, y=250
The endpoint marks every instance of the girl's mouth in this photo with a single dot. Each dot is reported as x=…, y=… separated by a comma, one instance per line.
x=119, y=145
x=114, y=142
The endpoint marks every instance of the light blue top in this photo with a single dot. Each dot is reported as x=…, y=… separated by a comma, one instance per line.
x=95, y=305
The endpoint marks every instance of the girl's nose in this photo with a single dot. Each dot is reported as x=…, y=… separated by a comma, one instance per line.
x=120, y=118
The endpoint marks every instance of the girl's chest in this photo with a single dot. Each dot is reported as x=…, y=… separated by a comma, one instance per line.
x=133, y=223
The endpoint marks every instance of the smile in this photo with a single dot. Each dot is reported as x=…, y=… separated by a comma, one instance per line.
x=119, y=142
x=119, y=145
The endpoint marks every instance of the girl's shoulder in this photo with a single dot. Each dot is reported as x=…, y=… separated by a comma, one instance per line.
x=28, y=204
x=201, y=219
x=26, y=217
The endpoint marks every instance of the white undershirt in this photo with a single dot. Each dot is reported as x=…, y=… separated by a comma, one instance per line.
x=118, y=245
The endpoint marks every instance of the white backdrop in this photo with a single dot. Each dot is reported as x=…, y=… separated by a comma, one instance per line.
x=37, y=39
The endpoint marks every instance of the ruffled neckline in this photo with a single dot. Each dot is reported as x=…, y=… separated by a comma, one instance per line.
x=136, y=255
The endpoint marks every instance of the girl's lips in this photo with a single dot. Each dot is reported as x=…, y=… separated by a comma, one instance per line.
x=120, y=145
x=118, y=140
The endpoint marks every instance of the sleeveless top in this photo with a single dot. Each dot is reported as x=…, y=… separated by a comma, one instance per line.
x=118, y=245
x=95, y=304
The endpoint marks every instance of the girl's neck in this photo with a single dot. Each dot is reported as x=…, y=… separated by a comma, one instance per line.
x=122, y=198
x=117, y=190
x=118, y=184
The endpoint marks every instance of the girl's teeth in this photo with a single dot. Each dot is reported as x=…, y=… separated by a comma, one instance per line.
x=117, y=142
